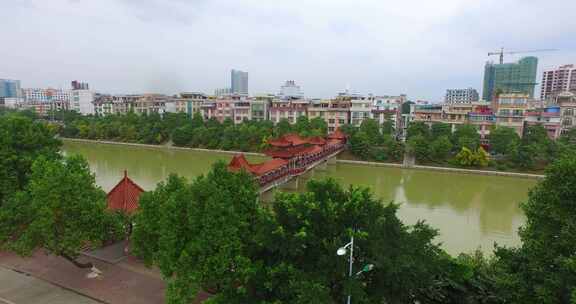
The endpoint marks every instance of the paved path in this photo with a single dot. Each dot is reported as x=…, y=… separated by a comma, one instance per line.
x=126, y=282
x=19, y=288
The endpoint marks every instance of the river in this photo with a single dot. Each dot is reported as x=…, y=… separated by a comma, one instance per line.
x=470, y=211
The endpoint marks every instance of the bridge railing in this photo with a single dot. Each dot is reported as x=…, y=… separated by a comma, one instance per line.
x=297, y=165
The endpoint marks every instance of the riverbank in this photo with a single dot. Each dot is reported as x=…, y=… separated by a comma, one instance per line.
x=108, y=142
x=443, y=169
x=343, y=161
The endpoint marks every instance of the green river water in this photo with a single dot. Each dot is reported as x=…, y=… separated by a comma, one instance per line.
x=470, y=211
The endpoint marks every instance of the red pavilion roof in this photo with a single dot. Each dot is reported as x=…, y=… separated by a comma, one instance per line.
x=125, y=195
x=293, y=151
x=239, y=162
x=316, y=140
x=287, y=140
x=337, y=134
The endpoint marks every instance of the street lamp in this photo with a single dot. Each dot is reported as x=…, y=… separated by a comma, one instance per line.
x=342, y=251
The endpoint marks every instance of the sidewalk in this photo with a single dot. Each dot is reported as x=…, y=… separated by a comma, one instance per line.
x=19, y=288
x=126, y=282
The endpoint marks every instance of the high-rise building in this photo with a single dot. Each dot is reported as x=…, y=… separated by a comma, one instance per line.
x=290, y=90
x=468, y=95
x=239, y=82
x=82, y=99
x=518, y=77
x=556, y=81
x=10, y=88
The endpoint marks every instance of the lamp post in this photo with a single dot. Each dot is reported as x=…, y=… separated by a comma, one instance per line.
x=342, y=251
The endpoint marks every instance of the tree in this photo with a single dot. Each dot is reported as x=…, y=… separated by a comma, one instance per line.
x=439, y=129
x=371, y=128
x=503, y=140
x=197, y=120
x=60, y=210
x=182, y=136
x=419, y=147
x=22, y=141
x=302, y=125
x=466, y=136
x=543, y=269
x=440, y=148
x=469, y=158
x=360, y=145
x=283, y=127
x=203, y=234
x=418, y=128
x=319, y=125
x=300, y=259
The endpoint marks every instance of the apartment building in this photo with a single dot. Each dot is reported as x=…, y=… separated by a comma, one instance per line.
x=189, y=102
x=289, y=109
x=559, y=80
x=510, y=109
x=567, y=103
x=548, y=117
x=336, y=112
x=106, y=104
x=468, y=95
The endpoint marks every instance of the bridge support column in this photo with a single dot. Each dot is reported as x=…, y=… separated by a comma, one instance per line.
x=332, y=160
x=291, y=184
x=323, y=166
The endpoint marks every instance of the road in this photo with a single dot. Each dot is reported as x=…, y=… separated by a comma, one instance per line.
x=19, y=288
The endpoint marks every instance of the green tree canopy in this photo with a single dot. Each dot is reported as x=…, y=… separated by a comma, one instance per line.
x=418, y=128
x=503, y=140
x=466, y=136
x=21, y=142
x=60, y=210
x=440, y=129
x=543, y=269
x=203, y=234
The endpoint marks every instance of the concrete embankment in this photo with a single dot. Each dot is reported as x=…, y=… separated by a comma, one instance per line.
x=157, y=146
x=443, y=169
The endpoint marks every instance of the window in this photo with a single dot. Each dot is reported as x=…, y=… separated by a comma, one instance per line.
x=569, y=112
x=341, y=121
x=331, y=121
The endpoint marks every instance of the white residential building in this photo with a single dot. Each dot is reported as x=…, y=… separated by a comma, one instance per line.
x=468, y=95
x=556, y=81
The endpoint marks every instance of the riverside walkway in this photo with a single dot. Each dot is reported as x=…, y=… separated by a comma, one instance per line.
x=292, y=156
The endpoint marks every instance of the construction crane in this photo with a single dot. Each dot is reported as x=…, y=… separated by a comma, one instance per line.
x=501, y=53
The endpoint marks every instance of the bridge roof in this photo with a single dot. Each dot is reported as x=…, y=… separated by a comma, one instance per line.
x=293, y=151
x=287, y=140
x=239, y=162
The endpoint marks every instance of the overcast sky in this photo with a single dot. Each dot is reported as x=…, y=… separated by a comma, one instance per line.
x=417, y=47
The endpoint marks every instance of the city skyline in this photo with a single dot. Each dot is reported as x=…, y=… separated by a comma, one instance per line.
x=137, y=46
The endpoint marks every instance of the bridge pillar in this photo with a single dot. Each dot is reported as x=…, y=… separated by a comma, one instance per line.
x=332, y=160
x=323, y=166
x=292, y=184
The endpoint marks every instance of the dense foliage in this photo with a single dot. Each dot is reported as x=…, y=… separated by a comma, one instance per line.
x=213, y=234
x=184, y=131
x=374, y=141
x=21, y=142
x=543, y=269
x=46, y=201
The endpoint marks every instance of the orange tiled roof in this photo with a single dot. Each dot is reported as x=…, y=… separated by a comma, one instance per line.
x=316, y=140
x=337, y=134
x=125, y=195
x=239, y=162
